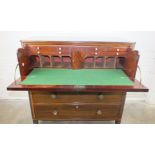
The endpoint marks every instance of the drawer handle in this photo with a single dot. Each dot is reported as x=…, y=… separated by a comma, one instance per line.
x=53, y=96
x=55, y=112
x=99, y=112
x=101, y=97
x=76, y=107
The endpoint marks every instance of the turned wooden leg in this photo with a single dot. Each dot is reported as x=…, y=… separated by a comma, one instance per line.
x=117, y=121
x=35, y=122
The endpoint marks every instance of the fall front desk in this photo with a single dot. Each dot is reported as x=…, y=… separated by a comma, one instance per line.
x=78, y=92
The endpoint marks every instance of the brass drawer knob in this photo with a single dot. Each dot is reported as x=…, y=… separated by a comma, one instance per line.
x=53, y=96
x=55, y=112
x=101, y=96
x=77, y=107
x=99, y=112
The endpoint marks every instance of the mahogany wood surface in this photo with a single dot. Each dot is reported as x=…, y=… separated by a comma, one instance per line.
x=78, y=54
x=138, y=87
x=75, y=98
x=78, y=43
x=91, y=106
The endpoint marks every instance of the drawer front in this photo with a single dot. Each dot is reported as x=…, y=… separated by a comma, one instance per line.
x=76, y=112
x=56, y=98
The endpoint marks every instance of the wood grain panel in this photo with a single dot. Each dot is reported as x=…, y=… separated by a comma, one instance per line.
x=137, y=87
x=79, y=43
x=58, y=98
x=70, y=112
x=49, y=50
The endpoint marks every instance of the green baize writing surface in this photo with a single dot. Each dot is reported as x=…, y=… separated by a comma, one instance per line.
x=98, y=77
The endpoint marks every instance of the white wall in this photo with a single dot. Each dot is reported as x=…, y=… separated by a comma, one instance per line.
x=145, y=43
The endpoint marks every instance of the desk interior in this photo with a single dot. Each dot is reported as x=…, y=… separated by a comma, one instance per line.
x=94, y=77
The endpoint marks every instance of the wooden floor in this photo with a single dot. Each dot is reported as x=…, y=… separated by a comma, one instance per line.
x=18, y=112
